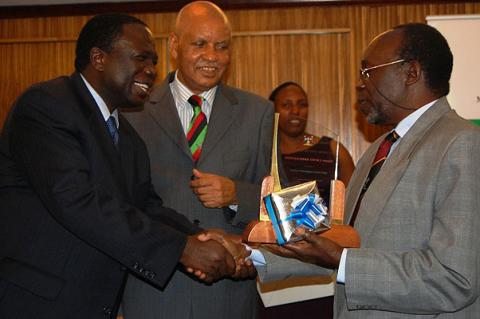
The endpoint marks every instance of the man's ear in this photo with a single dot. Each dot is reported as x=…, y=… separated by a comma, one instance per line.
x=97, y=59
x=413, y=72
x=173, y=45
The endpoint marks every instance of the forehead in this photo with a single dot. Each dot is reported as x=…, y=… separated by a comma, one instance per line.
x=384, y=48
x=138, y=35
x=291, y=91
x=207, y=27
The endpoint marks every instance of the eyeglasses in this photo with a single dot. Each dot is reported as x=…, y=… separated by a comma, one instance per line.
x=365, y=72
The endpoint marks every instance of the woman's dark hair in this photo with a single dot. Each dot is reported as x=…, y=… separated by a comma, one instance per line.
x=277, y=90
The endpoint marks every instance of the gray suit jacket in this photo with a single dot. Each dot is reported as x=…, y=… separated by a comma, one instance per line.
x=419, y=224
x=238, y=146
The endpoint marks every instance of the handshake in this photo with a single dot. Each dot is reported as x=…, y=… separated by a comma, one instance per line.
x=214, y=254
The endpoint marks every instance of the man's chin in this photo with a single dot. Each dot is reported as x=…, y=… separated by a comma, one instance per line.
x=206, y=83
x=375, y=119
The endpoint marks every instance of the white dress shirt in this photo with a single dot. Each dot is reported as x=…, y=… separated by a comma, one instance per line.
x=102, y=106
x=181, y=94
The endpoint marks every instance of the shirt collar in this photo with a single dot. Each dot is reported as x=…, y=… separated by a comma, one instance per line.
x=404, y=126
x=183, y=93
x=102, y=106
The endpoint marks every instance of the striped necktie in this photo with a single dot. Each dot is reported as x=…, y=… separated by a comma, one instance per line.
x=380, y=158
x=377, y=163
x=112, y=129
x=197, y=128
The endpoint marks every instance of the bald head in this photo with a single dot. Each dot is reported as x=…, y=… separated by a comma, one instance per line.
x=200, y=45
x=199, y=10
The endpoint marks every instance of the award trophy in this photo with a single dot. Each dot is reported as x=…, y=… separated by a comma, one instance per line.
x=261, y=231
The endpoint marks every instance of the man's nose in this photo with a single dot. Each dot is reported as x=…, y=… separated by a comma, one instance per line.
x=360, y=84
x=210, y=53
x=151, y=70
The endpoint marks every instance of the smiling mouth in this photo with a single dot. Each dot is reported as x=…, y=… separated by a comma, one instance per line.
x=209, y=69
x=296, y=121
x=144, y=87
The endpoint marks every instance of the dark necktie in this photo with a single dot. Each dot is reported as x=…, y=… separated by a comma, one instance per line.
x=197, y=128
x=112, y=129
x=377, y=163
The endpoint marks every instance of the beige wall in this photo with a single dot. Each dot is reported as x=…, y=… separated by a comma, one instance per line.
x=319, y=47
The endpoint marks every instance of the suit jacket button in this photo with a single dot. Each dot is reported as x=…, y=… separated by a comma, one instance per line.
x=196, y=222
x=149, y=274
x=138, y=268
x=107, y=311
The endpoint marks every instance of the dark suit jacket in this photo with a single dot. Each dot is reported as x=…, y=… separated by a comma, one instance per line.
x=76, y=215
x=238, y=145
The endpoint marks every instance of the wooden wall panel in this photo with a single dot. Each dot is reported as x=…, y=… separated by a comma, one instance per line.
x=28, y=63
x=261, y=61
x=32, y=61
x=363, y=20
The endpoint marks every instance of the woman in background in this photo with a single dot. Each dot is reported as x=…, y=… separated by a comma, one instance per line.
x=306, y=157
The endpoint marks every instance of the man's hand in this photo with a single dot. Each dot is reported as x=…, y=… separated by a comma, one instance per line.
x=313, y=249
x=233, y=243
x=210, y=260
x=212, y=190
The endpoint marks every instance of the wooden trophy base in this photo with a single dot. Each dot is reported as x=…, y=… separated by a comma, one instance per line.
x=261, y=232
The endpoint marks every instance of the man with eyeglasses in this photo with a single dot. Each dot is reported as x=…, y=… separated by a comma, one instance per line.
x=418, y=214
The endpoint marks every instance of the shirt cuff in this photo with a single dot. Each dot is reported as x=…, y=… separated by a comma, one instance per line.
x=341, y=267
x=256, y=257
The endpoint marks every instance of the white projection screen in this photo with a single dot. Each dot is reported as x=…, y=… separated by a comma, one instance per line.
x=462, y=33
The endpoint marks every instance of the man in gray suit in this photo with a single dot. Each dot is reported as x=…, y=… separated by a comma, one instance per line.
x=419, y=218
x=222, y=188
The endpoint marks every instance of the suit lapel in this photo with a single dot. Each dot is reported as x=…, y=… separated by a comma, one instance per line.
x=224, y=109
x=162, y=108
x=99, y=130
x=384, y=184
x=358, y=179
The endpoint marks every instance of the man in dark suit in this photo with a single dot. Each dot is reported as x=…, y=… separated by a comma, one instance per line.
x=419, y=217
x=77, y=208
x=235, y=156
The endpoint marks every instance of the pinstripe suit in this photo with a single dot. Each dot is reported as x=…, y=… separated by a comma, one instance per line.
x=237, y=146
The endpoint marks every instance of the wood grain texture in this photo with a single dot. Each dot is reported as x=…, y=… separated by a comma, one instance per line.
x=36, y=49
